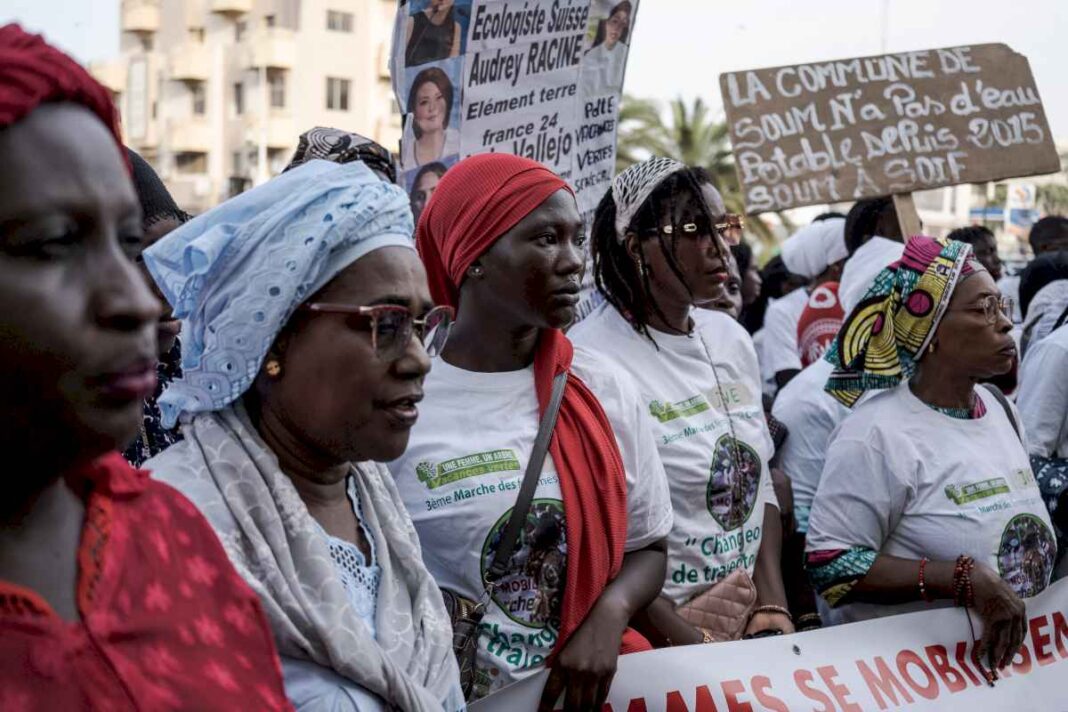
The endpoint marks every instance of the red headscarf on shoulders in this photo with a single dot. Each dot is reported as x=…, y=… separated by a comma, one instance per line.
x=32, y=72
x=477, y=201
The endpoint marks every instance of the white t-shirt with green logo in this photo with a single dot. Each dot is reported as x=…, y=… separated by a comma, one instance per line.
x=906, y=480
x=460, y=477
x=719, y=485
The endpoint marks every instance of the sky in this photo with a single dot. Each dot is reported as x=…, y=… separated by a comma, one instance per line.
x=680, y=47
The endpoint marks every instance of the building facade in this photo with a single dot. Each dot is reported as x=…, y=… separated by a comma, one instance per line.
x=215, y=93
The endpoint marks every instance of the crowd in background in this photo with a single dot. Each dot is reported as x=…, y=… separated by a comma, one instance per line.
x=372, y=464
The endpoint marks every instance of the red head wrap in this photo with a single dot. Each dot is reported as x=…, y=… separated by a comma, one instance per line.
x=478, y=200
x=33, y=72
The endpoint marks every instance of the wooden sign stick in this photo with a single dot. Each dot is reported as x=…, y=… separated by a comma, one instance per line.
x=907, y=217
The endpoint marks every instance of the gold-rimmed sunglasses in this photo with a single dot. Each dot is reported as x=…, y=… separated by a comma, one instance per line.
x=730, y=228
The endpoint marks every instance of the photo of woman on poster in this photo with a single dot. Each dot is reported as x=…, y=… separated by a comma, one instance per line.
x=432, y=33
x=606, y=60
x=427, y=136
x=423, y=185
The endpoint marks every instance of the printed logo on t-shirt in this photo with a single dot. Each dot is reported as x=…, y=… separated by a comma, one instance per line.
x=735, y=395
x=531, y=592
x=973, y=491
x=1026, y=555
x=460, y=468
x=734, y=482
x=666, y=412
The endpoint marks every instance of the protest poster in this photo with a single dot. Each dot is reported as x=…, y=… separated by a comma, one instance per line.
x=917, y=661
x=843, y=130
x=536, y=78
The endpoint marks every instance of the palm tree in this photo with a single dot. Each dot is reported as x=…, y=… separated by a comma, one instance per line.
x=690, y=135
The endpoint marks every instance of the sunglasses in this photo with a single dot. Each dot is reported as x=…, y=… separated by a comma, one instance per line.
x=393, y=326
x=730, y=228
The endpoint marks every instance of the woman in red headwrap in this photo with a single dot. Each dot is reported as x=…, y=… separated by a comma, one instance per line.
x=114, y=591
x=503, y=242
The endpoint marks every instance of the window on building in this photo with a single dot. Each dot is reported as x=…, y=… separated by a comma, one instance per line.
x=276, y=79
x=239, y=98
x=191, y=162
x=199, y=98
x=197, y=34
x=240, y=28
x=268, y=20
x=339, y=21
x=337, y=93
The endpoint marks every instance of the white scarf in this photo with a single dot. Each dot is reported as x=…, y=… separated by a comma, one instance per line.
x=234, y=479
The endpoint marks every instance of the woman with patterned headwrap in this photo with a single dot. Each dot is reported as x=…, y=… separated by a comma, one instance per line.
x=114, y=591
x=503, y=240
x=660, y=253
x=307, y=327
x=927, y=496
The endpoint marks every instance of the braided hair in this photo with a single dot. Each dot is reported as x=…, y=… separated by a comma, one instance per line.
x=618, y=278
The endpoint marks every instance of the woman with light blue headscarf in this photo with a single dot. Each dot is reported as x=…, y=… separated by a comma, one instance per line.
x=299, y=300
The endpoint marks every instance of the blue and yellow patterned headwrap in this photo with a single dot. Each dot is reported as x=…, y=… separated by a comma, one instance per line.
x=886, y=334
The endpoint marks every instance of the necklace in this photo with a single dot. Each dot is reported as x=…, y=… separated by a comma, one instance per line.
x=735, y=456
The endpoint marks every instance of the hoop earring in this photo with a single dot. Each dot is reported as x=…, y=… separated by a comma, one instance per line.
x=273, y=368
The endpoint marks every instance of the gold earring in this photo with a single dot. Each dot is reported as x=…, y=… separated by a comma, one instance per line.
x=931, y=349
x=273, y=368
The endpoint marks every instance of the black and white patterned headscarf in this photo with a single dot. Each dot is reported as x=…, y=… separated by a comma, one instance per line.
x=633, y=187
x=343, y=147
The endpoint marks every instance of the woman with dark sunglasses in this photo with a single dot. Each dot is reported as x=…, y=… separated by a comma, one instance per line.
x=309, y=329
x=927, y=498
x=503, y=241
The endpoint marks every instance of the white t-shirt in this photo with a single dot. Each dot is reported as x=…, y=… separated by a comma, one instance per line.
x=602, y=69
x=810, y=415
x=451, y=147
x=780, y=350
x=1043, y=395
x=459, y=479
x=718, y=517
x=906, y=480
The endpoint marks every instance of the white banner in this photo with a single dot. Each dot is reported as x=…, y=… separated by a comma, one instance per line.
x=919, y=661
x=535, y=78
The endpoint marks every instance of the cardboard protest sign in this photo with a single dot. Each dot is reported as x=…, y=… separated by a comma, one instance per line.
x=847, y=129
x=917, y=661
x=535, y=78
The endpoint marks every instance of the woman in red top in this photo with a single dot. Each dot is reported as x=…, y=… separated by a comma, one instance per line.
x=114, y=592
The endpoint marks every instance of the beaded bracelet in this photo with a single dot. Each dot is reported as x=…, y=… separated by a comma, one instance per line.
x=924, y=593
x=963, y=594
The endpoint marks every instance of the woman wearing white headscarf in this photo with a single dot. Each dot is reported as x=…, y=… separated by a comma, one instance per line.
x=299, y=300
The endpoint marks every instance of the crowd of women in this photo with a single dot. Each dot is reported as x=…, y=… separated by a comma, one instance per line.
x=373, y=472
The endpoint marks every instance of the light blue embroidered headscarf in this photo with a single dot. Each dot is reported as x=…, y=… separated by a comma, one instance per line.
x=235, y=274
